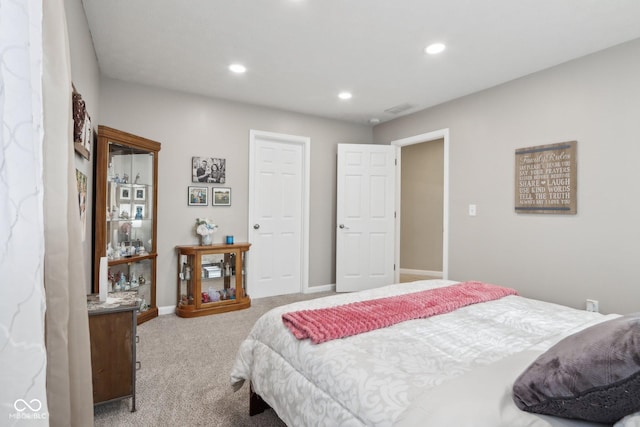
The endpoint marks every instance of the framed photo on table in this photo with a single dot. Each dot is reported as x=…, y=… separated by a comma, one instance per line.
x=139, y=194
x=125, y=193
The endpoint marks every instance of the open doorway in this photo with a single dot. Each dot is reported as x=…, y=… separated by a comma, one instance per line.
x=422, y=205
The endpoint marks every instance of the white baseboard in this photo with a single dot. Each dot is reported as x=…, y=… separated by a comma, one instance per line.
x=421, y=272
x=170, y=309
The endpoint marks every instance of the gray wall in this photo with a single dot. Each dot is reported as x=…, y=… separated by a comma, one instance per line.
x=85, y=75
x=189, y=125
x=566, y=259
x=422, y=184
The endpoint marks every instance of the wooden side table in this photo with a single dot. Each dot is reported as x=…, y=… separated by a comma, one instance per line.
x=211, y=279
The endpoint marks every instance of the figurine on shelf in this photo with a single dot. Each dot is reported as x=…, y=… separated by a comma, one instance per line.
x=138, y=212
x=125, y=179
x=137, y=180
x=110, y=172
x=142, y=280
x=117, y=179
x=109, y=251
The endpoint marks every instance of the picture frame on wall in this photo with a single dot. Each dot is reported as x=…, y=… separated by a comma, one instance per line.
x=221, y=196
x=82, y=130
x=81, y=181
x=198, y=196
x=210, y=170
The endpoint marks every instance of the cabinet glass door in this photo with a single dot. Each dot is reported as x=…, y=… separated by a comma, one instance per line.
x=125, y=216
x=130, y=219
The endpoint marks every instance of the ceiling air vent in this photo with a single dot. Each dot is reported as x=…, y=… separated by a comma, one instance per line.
x=399, y=108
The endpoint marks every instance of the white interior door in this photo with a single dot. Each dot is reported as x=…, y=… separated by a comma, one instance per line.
x=278, y=214
x=365, y=239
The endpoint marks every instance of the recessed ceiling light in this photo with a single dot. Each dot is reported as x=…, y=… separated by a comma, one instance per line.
x=345, y=95
x=435, y=48
x=238, y=68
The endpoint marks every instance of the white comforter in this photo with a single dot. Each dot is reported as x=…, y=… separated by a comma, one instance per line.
x=391, y=376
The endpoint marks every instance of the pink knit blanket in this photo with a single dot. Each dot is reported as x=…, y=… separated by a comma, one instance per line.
x=330, y=323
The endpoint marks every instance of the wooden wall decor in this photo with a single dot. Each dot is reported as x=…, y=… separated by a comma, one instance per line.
x=83, y=134
x=546, y=179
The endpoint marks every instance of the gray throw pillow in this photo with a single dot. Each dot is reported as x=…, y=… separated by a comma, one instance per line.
x=592, y=375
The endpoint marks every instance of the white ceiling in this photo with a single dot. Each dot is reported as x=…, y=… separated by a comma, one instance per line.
x=301, y=53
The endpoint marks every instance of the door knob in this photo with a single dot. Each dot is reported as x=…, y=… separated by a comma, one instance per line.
x=256, y=226
x=343, y=226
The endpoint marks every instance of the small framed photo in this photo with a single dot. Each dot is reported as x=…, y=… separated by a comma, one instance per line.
x=221, y=196
x=198, y=196
x=125, y=193
x=138, y=212
x=139, y=194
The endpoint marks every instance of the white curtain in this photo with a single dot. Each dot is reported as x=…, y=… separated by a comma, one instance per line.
x=69, y=388
x=40, y=257
x=22, y=301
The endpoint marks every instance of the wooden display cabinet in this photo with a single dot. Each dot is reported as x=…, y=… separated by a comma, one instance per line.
x=125, y=226
x=211, y=279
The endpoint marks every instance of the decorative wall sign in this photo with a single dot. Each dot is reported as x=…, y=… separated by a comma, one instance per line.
x=546, y=179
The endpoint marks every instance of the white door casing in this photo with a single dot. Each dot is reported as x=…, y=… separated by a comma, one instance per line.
x=365, y=234
x=418, y=139
x=277, y=262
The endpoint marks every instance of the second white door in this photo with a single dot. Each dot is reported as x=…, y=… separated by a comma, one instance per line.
x=365, y=239
x=277, y=214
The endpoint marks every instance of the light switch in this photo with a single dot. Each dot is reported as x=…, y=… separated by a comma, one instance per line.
x=472, y=210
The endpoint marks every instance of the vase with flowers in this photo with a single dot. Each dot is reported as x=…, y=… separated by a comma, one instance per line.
x=205, y=228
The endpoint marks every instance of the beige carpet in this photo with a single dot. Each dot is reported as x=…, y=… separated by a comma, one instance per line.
x=184, y=379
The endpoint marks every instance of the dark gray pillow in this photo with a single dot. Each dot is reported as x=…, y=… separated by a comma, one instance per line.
x=592, y=375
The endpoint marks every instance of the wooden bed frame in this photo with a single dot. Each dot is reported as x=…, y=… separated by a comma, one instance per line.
x=256, y=404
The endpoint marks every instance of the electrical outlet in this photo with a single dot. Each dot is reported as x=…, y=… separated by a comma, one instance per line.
x=592, y=305
x=472, y=210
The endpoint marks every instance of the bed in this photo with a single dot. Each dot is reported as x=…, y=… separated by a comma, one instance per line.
x=456, y=368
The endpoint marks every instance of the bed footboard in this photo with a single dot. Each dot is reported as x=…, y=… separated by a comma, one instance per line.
x=256, y=404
